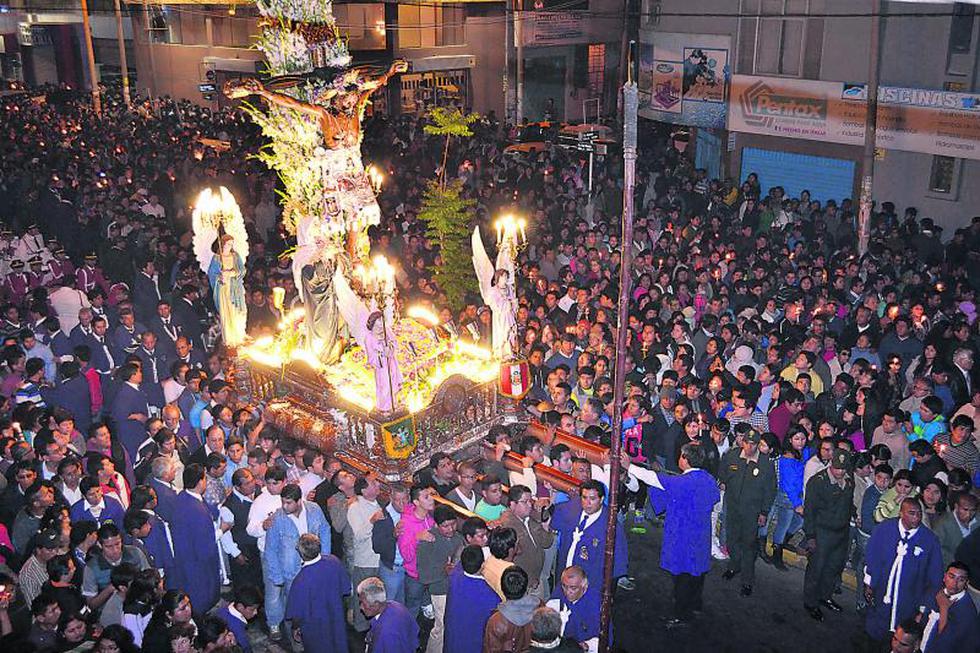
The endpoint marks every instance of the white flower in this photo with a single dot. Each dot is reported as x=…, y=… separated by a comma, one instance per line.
x=917, y=551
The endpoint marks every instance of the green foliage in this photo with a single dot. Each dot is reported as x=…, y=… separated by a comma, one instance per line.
x=448, y=216
x=446, y=121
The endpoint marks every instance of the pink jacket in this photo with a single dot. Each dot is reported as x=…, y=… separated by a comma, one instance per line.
x=408, y=540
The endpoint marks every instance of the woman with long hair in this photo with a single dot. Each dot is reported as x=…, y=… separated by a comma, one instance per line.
x=116, y=639
x=890, y=502
x=174, y=608
x=921, y=365
x=788, y=506
x=933, y=500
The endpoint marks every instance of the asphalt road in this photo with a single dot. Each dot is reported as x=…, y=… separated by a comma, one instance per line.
x=771, y=620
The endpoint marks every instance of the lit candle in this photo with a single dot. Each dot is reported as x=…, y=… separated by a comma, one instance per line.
x=278, y=297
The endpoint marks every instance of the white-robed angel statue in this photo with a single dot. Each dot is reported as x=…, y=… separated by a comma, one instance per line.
x=372, y=330
x=497, y=290
x=222, y=256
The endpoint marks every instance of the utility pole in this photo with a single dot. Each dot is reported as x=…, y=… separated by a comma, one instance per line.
x=149, y=49
x=90, y=51
x=122, y=57
x=630, y=105
x=870, y=131
x=519, y=40
x=508, y=109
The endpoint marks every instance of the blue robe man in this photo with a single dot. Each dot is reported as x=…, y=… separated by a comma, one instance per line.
x=962, y=629
x=166, y=500
x=196, y=552
x=159, y=546
x=316, y=604
x=685, y=554
x=113, y=511
x=238, y=628
x=131, y=433
x=581, y=618
x=155, y=369
x=61, y=344
x=74, y=396
x=393, y=631
x=590, y=545
x=904, y=568
x=469, y=603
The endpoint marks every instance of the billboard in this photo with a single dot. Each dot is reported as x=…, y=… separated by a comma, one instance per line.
x=913, y=120
x=684, y=78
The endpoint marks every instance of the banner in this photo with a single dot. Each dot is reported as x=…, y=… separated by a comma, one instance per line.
x=553, y=27
x=912, y=120
x=684, y=78
x=667, y=87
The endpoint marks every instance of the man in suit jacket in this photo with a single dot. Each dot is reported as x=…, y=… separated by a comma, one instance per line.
x=962, y=380
x=82, y=332
x=214, y=442
x=186, y=314
x=146, y=291
x=103, y=355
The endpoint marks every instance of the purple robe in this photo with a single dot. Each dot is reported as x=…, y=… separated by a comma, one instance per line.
x=195, y=552
x=591, y=546
x=582, y=623
x=921, y=574
x=690, y=498
x=393, y=631
x=131, y=433
x=113, y=511
x=316, y=605
x=469, y=604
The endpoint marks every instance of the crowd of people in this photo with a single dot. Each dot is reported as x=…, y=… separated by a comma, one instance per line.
x=785, y=396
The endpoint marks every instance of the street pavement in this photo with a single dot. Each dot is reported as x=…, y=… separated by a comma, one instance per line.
x=772, y=620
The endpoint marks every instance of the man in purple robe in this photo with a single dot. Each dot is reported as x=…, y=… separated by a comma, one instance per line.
x=316, y=598
x=686, y=549
x=583, y=536
x=577, y=603
x=903, y=570
x=195, y=547
x=393, y=629
x=130, y=409
x=469, y=603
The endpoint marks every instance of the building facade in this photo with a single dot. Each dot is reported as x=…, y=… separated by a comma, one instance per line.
x=790, y=98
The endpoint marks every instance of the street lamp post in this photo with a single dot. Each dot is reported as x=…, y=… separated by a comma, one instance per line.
x=870, y=131
x=90, y=52
x=123, y=66
x=630, y=105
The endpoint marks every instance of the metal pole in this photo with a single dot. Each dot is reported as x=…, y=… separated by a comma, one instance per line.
x=870, y=131
x=122, y=57
x=630, y=104
x=508, y=109
x=90, y=52
x=151, y=83
x=519, y=39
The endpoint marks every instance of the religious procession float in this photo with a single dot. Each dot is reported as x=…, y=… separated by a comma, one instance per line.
x=352, y=371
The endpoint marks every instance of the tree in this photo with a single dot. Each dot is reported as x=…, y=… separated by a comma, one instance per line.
x=449, y=122
x=448, y=215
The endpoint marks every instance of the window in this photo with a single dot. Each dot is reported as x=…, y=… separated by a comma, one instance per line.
x=363, y=24
x=943, y=176
x=430, y=26
x=597, y=69
x=776, y=32
x=961, y=28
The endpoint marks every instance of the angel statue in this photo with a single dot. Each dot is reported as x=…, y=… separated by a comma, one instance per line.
x=497, y=290
x=221, y=247
x=372, y=330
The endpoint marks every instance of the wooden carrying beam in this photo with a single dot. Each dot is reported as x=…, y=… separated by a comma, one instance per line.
x=582, y=448
x=558, y=480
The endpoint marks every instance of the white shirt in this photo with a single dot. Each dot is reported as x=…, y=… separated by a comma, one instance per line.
x=262, y=506
x=299, y=520
x=71, y=496
x=309, y=482
x=225, y=516
x=359, y=519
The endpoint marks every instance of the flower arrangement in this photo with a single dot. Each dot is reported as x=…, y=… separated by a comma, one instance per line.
x=304, y=11
x=286, y=52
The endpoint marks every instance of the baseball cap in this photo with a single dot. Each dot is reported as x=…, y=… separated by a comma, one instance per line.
x=841, y=459
x=48, y=539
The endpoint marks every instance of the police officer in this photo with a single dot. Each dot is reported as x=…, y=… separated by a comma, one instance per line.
x=827, y=507
x=749, y=481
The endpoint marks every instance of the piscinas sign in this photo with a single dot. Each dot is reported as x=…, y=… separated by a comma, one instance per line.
x=914, y=120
